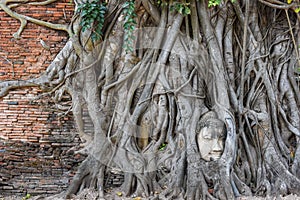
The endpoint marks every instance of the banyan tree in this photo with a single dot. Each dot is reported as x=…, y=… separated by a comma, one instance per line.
x=189, y=99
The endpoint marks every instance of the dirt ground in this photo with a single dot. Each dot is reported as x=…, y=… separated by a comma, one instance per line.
x=116, y=195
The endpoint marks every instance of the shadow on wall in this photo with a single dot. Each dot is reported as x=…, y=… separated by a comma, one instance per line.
x=36, y=168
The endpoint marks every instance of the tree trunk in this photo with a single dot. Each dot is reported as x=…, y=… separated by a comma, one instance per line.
x=188, y=101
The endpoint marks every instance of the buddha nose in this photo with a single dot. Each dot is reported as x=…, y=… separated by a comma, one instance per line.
x=217, y=146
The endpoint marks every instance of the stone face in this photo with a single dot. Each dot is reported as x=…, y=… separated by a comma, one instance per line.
x=210, y=136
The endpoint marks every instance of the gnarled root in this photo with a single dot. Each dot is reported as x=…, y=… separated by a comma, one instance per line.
x=90, y=174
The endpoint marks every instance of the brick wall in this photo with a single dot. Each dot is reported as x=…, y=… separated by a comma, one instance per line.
x=34, y=140
x=36, y=168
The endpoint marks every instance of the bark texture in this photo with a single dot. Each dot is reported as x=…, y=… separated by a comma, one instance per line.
x=239, y=61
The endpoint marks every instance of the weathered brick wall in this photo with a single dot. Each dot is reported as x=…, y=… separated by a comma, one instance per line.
x=34, y=140
x=36, y=168
x=26, y=57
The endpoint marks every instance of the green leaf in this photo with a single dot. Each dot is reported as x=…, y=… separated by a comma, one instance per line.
x=126, y=4
x=213, y=3
x=129, y=22
x=131, y=27
x=162, y=146
x=180, y=9
x=187, y=11
x=92, y=17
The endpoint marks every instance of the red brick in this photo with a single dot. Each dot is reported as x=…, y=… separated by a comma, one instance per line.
x=25, y=121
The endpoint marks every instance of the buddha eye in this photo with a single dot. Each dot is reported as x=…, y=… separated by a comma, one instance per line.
x=207, y=135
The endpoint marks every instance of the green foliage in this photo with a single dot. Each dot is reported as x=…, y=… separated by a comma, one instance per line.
x=161, y=3
x=129, y=25
x=26, y=197
x=182, y=8
x=162, y=146
x=296, y=8
x=213, y=3
x=92, y=17
x=216, y=2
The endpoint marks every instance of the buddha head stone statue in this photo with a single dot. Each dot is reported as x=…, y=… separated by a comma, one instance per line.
x=210, y=136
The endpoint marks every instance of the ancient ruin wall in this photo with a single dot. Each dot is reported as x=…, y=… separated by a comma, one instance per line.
x=35, y=139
